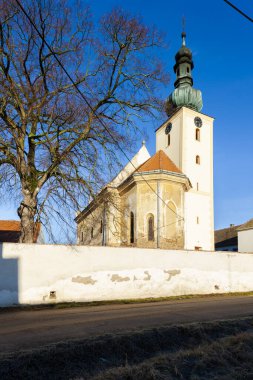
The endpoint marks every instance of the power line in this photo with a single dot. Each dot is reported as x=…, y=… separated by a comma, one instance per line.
x=239, y=11
x=87, y=102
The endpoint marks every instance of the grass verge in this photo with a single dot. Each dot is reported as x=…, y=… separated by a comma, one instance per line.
x=211, y=350
x=225, y=359
x=67, y=305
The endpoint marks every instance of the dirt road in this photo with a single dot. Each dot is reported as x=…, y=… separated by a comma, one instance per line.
x=32, y=329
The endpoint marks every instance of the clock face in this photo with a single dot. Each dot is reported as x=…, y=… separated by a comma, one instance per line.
x=168, y=128
x=198, y=122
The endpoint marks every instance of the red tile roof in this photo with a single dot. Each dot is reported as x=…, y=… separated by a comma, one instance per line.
x=9, y=225
x=160, y=161
x=10, y=231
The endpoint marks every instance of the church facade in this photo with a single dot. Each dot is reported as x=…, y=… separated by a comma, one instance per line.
x=164, y=201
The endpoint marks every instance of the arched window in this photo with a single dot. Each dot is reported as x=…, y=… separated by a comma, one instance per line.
x=168, y=139
x=151, y=235
x=91, y=232
x=131, y=227
x=101, y=226
x=198, y=160
x=197, y=134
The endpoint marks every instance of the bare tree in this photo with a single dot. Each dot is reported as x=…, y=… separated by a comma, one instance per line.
x=53, y=148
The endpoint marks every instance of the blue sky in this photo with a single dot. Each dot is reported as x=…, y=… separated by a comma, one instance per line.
x=221, y=42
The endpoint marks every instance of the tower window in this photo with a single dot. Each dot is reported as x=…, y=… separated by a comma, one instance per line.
x=131, y=227
x=151, y=228
x=178, y=72
x=197, y=134
x=188, y=70
x=101, y=226
x=198, y=160
x=168, y=139
x=92, y=232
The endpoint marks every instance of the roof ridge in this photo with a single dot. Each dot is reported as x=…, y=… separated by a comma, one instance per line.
x=160, y=160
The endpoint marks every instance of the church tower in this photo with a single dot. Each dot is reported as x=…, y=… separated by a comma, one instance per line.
x=187, y=138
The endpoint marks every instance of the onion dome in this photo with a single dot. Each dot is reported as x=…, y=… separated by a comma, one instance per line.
x=184, y=94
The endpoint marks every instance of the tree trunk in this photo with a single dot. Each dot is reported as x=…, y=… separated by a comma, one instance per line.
x=26, y=212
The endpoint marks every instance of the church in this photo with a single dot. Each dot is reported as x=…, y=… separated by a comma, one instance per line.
x=164, y=201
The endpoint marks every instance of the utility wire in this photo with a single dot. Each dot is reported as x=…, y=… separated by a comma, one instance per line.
x=88, y=103
x=239, y=11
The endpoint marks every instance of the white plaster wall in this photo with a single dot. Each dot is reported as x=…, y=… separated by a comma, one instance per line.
x=199, y=202
x=183, y=151
x=197, y=208
x=191, y=148
x=28, y=273
x=245, y=241
x=174, y=149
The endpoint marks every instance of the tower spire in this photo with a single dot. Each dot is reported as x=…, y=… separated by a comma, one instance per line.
x=183, y=32
x=184, y=65
x=184, y=94
x=183, y=38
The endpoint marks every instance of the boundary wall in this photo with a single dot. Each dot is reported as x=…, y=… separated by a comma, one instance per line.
x=37, y=274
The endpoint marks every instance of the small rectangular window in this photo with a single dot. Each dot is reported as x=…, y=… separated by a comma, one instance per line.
x=168, y=139
x=197, y=220
x=197, y=186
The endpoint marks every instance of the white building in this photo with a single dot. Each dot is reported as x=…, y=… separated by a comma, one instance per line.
x=186, y=138
x=245, y=237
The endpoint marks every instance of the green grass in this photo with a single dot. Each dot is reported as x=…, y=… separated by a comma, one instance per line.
x=67, y=305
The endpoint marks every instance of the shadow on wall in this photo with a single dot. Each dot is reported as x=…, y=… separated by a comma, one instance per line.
x=8, y=280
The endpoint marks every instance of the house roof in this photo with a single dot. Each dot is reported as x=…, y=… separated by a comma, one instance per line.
x=225, y=234
x=246, y=226
x=160, y=161
x=9, y=225
x=10, y=231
